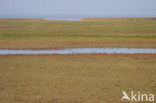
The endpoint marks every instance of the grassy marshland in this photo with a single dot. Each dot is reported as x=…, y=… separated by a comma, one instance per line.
x=88, y=78
x=46, y=34
x=85, y=78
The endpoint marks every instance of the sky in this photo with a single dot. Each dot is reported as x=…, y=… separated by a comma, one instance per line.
x=104, y=7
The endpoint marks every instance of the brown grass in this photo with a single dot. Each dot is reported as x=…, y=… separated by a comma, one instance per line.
x=83, y=78
x=74, y=43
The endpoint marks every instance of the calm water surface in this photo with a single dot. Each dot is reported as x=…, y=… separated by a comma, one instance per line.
x=69, y=17
x=81, y=51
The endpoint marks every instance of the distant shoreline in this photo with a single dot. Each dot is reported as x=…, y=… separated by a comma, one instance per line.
x=122, y=18
x=86, y=19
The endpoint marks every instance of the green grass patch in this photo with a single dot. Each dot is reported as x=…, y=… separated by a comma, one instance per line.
x=22, y=36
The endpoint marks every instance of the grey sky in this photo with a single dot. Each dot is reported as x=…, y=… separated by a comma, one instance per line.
x=79, y=6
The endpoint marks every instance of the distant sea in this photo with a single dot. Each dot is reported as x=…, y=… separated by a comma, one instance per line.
x=69, y=17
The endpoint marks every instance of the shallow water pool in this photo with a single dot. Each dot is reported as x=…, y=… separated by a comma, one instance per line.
x=81, y=51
